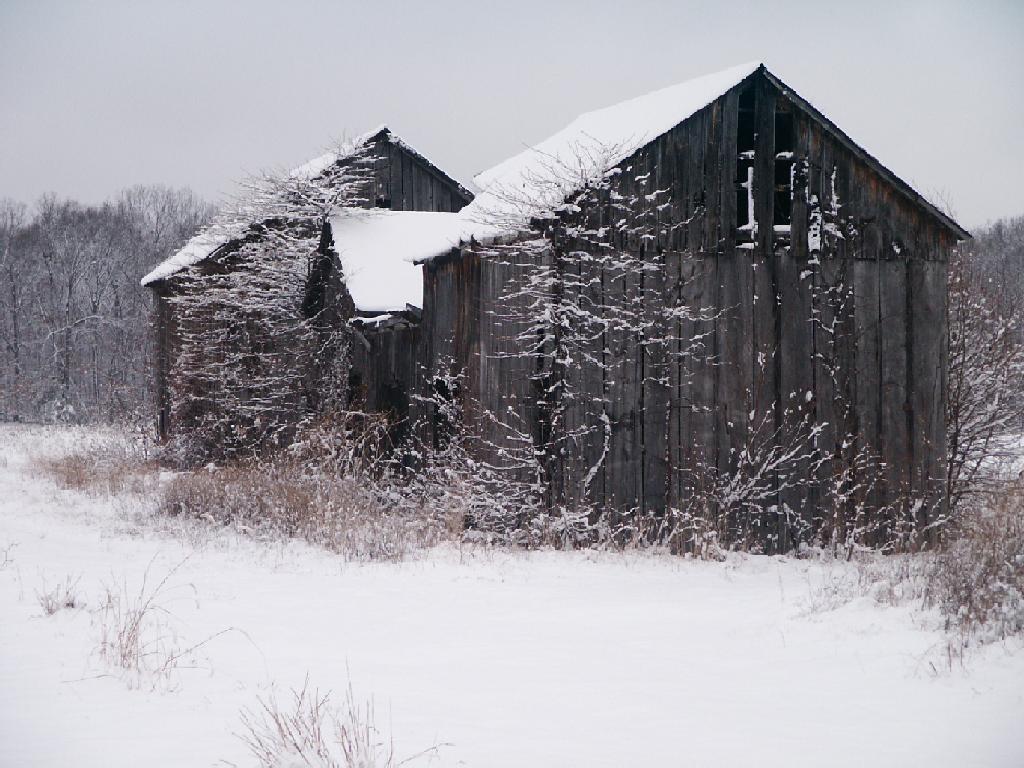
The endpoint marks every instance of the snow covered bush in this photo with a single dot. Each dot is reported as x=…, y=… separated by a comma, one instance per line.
x=985, y=406
x=978, y=580
x=62, y=595
x=311, y=731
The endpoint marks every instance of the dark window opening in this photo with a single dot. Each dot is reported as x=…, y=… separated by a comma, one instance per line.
x=744, y=165
x=785, y=146
x=785, y=136
x=746, y=134
x=747, y=98
x=783, y=211
x=746, y=141
x=783, y=170
x=742, y=211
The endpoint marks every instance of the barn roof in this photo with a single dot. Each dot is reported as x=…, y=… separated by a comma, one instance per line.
x=537, y=180
x=210, y=238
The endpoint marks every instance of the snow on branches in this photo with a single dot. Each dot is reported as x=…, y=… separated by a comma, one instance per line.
x=985, y=406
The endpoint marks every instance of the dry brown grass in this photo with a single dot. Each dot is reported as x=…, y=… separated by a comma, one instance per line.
x=109, y=467
x=277, y=498
x=138, y=638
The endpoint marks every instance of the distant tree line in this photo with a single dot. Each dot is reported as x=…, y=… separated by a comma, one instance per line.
x=74, y=321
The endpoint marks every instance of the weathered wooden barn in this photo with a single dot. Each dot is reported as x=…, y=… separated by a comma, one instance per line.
x=816, y=286
x=767, y=342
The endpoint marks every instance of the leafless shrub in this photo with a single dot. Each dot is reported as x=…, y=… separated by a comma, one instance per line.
x=63, y=595
x=977, y=581
x=985, y=406
x=137, y=633
x=311, y=731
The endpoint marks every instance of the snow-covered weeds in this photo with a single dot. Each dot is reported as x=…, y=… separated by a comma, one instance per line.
x=309, y=730
x=63, y=595
x=978, y=579
x=975, y=580
x=138, y=637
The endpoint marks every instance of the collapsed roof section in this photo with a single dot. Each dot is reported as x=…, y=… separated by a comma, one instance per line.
x=379, y=249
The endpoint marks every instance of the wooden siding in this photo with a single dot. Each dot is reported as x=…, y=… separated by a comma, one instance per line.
x=404, y=181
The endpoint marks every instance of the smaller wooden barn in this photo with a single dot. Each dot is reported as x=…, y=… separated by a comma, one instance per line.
x=401, y=184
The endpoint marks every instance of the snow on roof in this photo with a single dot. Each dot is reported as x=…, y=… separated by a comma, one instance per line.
x=378, y=248
x=538, y=179
x=318, y=165
x=194, y=251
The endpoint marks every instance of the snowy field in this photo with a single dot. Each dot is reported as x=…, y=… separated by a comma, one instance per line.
x=503, y=658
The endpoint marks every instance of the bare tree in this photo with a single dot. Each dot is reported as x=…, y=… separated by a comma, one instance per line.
x=985, y=409
x=12, y=302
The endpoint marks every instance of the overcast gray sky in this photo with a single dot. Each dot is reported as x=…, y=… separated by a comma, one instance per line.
x=96, y=96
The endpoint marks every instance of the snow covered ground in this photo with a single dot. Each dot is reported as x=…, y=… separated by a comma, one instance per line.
x=507, y=658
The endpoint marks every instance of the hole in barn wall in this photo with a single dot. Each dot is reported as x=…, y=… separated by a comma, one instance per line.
x=745, y=132
x=742, y=211
x=785, y=135
x=783, y=212
x=746, y=140
x=783, y=168
x=785, y=145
